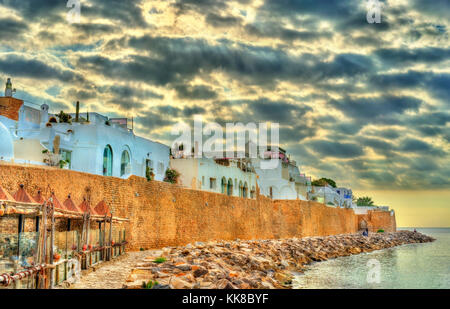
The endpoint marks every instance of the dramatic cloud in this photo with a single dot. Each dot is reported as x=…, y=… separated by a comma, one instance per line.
x=364, y=104
x=336, y=149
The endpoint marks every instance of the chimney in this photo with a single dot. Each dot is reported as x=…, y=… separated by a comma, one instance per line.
x=8, y=88
x=77, y=113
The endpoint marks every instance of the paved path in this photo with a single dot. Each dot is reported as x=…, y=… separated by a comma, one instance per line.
x=111, y=275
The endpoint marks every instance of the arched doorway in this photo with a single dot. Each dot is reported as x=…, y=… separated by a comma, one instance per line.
x=245, y=190
x=107, y=161
x=241, y=189
x=224, y=185
x=230, y=187
x=362, y=224
x=253, y=192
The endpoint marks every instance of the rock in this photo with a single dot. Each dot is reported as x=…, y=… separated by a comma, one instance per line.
x=245, y=286
x=178, y=283
x=201, y=271
x=161, y=287
x=284, y=263
x=161, y=275
x=184, y=267
x=254, y=264
x=283, y=278
x=224, y=284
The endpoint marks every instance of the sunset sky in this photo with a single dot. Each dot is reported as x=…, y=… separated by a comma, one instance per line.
x=364, y=104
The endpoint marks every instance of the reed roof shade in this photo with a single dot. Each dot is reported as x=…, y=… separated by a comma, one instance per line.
x=84, y=206
x=56, y=203
x=39, y=198
x=102, y=209
x=22, y=196
x=23, y=203
x=5, y=196
x=70, y=205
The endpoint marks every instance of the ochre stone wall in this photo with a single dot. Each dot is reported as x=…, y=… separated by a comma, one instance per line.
x=162, y=214
x=9, y=107
x=376, y=220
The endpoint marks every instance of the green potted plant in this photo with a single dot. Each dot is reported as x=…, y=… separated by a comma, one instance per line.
x=149, y=174
x=172, y=176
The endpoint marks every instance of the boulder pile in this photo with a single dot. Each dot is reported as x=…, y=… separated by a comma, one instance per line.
x=252, y=264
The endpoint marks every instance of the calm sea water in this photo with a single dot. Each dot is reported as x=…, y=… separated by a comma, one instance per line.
x=414, y=266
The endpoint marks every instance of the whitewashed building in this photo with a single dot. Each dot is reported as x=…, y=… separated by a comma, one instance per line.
x=232, y=177
x=282, y=182
x=94, y=144
x=341, y=197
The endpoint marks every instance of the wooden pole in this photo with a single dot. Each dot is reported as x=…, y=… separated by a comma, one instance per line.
x=110, y=237
x=17, y=263
x=88, y=227
x=104, y=238
x=52, y=244
x=66, y=256
x=99, y=253
x=44, y=242
x=83, y=231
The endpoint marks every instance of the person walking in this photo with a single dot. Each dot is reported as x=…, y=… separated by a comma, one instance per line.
x=366, y=232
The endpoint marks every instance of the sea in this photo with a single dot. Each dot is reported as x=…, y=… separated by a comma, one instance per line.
x=412, y=266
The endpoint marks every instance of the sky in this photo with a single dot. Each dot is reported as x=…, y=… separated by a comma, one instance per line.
x=364, y=104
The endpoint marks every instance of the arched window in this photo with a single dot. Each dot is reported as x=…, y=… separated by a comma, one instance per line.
x=107, y=161
x=224, y=185
x=241, y=189
x=252, y=193
x=125, y=166
x=230, y=187
x=245, y=190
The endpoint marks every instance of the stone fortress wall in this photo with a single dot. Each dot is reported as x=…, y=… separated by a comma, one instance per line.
x=163, y=214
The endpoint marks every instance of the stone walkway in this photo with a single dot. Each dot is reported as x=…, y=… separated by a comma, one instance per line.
x=111, y=275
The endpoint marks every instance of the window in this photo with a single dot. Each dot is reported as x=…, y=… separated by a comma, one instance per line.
x=107, y=161
x=125, y=166
x=230, y=187
x=245, y=191
x=224, y=185
x=66, y=155
x=212, y=183
x=252, y=193
x=203, y=181
x=160, y=168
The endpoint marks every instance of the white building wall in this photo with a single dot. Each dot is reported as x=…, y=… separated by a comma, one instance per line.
x=282, y=188
x=87, y=142
x=197, y=172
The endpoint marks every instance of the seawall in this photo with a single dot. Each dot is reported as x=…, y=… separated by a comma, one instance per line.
x=257, y=264
x=163, y=214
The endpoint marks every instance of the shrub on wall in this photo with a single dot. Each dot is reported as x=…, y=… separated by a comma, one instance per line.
x=322, y=182
x=149, y=174
x=64, y=118
x=171, y=176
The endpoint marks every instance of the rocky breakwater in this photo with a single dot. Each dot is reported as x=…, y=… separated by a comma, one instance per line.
x=257, y=264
